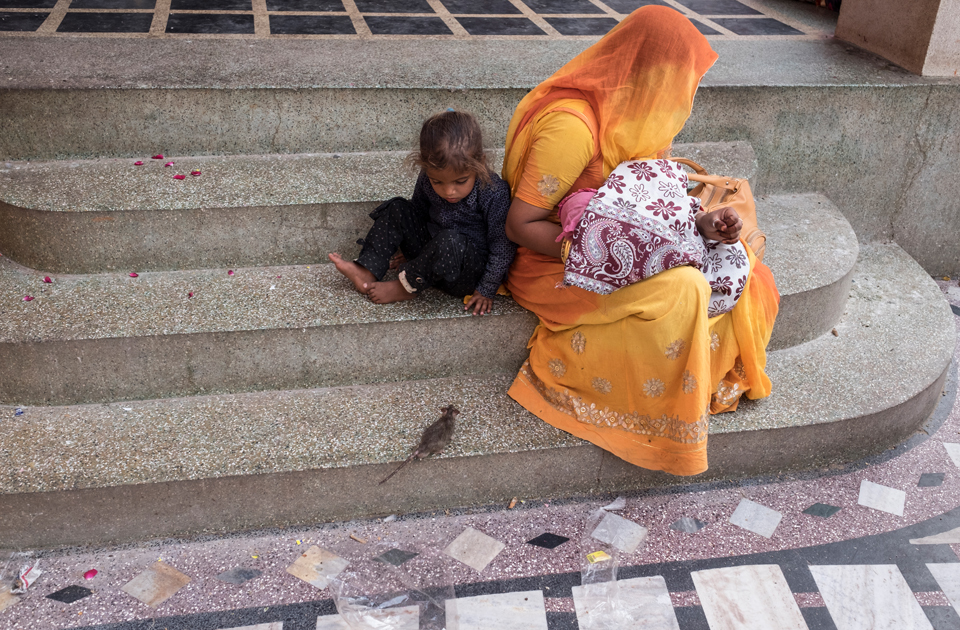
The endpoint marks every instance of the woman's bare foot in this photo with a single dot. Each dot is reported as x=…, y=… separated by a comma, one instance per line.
x=359, y=275
x=388, y=292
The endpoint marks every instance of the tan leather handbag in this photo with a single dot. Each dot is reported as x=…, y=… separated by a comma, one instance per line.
x=716, y=191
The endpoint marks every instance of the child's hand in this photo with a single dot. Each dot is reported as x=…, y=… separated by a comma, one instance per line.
x=481, y=305
x=397, y=259
x=723, y=224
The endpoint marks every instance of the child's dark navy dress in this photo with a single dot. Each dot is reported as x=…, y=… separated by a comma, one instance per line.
x=460, y=248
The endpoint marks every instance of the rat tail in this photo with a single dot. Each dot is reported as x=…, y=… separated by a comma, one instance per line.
x=405, y=462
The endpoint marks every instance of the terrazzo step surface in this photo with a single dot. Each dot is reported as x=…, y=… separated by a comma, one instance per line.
x=167, y=467
x=105, y=337
x=91, y=216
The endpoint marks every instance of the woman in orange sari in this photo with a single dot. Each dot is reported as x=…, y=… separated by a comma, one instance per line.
x=639, y=371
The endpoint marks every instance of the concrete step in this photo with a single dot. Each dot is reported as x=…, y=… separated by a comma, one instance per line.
x=103, y=473
x=90, y=216
x=112, y=337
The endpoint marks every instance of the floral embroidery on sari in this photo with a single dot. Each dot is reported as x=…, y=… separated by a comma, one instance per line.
x=602, y=385
x=578, y=342
x=675, y=349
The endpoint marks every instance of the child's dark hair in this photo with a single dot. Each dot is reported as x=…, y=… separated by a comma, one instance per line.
x=452, y=139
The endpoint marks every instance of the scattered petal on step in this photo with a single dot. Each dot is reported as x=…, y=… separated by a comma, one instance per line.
x=89, y=575
x=28, y=298
x=190, y=295
x=158, y=156
x=138, y=163
x=179, y=176
x=47, y=279
x=195, y=172
x=168, y=164
x=230, y=272
x=134, y=274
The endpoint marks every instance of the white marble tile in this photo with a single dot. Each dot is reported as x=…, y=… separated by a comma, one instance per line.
x=756, y=518
x=873, y=495
x=948, y=577
x=869, y=597
x=402, y=618
x=273, y=625
x=751, y=597
x=316, y=566
x=505, y=611
x=636, y=603
x=474, y=548
x=622, y=533
x=949, y=537
x=953, y=450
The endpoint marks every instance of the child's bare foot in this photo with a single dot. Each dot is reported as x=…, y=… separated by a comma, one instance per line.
x=388, y=292
x=359, y=275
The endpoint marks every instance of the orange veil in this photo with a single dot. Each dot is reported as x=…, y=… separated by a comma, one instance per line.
x=640, y=80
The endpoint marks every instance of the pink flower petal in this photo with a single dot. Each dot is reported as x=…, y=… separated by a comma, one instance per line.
x=47, y=279
x=179, y=176
x=134, y=274
x=230, y=272
x=195, y=172
x=89, y=575
x=28, y=298
x=138, y=163
x=158, y=156
x=168, y=164
x=190, y=295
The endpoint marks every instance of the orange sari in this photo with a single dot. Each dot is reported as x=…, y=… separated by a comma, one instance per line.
x=639, y=371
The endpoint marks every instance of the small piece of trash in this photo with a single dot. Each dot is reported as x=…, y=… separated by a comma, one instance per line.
x=597, y=556
x=196, y=172
x=158, y=156
x=28, y=298
x=390, y=519
x=947, y=278
x=89, y=575
x=513, y=503
x=47, y=279
x=272, y=287
x=27, y=575
x=127, y=408
x=179, y=176
x=299, y=542
x=18, y=412
x=168, y=164
x=134, y=274
x=254, y=557
x=358, y=539
x=618, y=504
x=834, y=333
x=138, y=163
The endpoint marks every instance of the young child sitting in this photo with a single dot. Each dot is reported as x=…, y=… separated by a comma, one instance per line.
x=451, y=233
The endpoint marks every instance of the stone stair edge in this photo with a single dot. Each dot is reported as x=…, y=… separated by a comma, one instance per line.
x=234, y=181
x=819, y=385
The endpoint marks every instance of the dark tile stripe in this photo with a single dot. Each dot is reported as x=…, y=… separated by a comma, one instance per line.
x=311, y=25
x=21, y=22
x=194, y=23
x=106, y=23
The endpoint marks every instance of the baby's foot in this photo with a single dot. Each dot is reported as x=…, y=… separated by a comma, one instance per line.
x=359, y=275
x=388, y=292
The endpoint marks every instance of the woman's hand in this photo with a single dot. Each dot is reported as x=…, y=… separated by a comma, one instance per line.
x=527, y=225
x=481, y=305
x=722, y=224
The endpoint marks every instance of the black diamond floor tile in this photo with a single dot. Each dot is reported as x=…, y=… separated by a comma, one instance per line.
x=198, y=23
x=704, y=29
x=548, y=540
x=394, y=6
x=823, y=510
x=211, y=5
x=930, y=480
x=758, y=26
x=476, y=7
x=390, y=25
x=562, y=6
x=21, y=22
x=305, y=5
x=396, y=557
x=719, y=7
x=239, y=575
x=582, y=26
x=113, y=4
x=500, y=26
x=106, y=23
x=629, y=6
x=70, y=594
x=311, y=25
x=27, y=4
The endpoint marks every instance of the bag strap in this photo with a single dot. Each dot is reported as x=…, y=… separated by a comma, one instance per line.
x=700, y=175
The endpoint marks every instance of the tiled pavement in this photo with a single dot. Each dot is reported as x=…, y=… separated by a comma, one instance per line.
x=460, y=19
x=871, y=545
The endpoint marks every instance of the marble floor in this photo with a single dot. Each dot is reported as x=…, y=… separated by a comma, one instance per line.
x=461, y=19
x=871, y=545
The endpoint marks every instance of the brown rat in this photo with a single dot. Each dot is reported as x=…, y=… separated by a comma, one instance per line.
x=434, y=439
